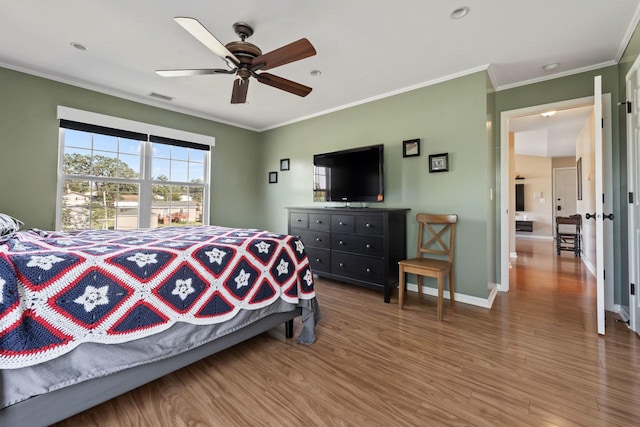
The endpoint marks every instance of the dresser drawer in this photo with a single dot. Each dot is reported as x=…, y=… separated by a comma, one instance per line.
x=315, y=239
x=319, y=260
x=366, y=245
x=321, y=222
x=370, y=225
x=299, y=220
x=358, y=267
x=343, y=223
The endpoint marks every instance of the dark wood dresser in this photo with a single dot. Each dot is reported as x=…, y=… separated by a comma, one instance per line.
x=361, y=246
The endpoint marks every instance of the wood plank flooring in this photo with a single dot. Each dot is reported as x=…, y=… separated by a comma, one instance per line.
x=535, y=359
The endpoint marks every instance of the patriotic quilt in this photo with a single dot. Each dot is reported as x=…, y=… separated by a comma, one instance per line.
x=59, y=290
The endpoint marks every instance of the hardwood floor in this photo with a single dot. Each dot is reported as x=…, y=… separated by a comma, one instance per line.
x=535, y=359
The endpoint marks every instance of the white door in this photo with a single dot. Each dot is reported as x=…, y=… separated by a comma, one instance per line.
x=564, y=187
x=599, y=219
x=633, y=185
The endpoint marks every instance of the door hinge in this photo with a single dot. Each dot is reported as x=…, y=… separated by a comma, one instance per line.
x=632, y=288
x=603, y=198
x=631, y=197
x=604, y=274
x=602, y=123
x=628, y=107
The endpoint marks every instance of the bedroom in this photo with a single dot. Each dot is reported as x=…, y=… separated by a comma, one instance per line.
x=433, y=113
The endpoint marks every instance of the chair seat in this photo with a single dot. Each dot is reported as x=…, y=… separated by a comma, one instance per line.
x=425, y=264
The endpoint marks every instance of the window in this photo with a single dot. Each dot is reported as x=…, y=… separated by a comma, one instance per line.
x=115, y=179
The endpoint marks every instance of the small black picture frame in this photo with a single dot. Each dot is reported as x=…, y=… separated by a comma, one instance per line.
x=273, y=177
x=439, y=162
x=284, y=164
x=411, y=148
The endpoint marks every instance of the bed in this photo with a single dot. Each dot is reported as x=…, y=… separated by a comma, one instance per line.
x=88, y=315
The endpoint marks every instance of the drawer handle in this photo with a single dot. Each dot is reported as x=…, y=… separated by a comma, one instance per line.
x=368, y=270
x=318, y=221
x=367, y=225
x=368, y=246
x=341, y=242
x=318, y=239
x=298, y=219
x=341, y=265
x=341, y=223
x=318, y=260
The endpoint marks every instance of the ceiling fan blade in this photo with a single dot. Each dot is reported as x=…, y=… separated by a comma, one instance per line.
x=240, y=88
x=292, y=52
x=197, y=30
x=187, y=73
x=284, y=84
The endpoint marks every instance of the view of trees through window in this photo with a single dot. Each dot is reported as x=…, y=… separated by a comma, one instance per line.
x=103, y=186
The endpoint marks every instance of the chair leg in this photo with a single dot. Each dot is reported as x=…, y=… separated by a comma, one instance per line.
x=452, y=288
x=440, y=294
x=420, y=285
x=401, y=288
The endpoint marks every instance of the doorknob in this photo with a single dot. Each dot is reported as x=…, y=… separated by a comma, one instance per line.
x=589, y=216
x=610, y=216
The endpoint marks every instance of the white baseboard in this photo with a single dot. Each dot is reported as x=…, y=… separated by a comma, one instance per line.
x=466, y=299
x=622, y=312
x=590, y=267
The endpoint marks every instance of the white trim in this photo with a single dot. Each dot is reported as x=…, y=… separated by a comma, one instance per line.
x=558, y=75
x=465, y=299
x=132, y=125
x=622, y=313
x=590, y=267
x=513, y=255
x=628, y=34
x=382, y=96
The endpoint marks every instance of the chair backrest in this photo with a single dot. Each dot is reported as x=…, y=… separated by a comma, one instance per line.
x=436, y=234
x=572, y=221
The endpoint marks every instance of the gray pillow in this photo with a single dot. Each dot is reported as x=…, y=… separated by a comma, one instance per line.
x=8, y=226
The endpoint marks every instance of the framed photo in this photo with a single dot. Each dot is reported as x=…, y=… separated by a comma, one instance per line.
x=284, y=164
x=439, y=162
x=579, y=177
x=411, y=148
x=273, y=177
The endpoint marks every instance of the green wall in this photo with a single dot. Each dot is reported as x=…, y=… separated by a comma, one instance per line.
x=448, y=117
x=574, y=87
x=29, y=149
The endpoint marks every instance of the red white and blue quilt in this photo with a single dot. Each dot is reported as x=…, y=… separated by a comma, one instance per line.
x=59, y=290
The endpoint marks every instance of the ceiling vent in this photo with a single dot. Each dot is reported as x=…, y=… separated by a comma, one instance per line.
x=160, y=96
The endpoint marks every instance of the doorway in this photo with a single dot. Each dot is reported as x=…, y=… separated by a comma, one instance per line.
x=507, y=158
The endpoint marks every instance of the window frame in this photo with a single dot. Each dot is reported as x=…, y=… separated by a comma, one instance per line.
x=145, y=182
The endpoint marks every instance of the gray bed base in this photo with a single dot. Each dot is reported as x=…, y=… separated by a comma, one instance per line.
x=49, y=408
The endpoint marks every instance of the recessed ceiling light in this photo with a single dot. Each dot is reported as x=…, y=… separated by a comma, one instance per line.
x=78, y=46
x=460, y=12
x=551, y=66
x=315, y=73
x=548, y=113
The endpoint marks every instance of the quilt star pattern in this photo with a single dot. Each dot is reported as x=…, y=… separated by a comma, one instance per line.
x=59, y=290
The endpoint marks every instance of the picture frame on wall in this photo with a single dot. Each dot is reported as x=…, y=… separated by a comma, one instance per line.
x=439, y=162
x=284, y=164
x=273, y=177
x=411, y=148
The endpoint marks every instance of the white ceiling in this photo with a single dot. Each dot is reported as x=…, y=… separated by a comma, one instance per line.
x=366, y=50
x=553, y=136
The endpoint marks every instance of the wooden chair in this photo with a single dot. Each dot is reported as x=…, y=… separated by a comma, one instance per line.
x=569, y=234
x=435, y=237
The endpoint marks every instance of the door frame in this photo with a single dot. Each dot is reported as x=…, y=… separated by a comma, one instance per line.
x=506, y=216
x=632, y=179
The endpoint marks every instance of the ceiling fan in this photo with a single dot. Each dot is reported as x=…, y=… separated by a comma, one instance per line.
x=245, y=60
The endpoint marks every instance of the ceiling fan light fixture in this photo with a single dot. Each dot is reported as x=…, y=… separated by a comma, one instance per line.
x=78, y=46
x=460, y=12
x=548, y=113
x=550, y=67
x=316, y=73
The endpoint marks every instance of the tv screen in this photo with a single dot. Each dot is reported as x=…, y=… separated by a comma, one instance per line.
x=354, y=175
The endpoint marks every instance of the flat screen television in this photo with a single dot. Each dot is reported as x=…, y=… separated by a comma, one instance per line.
x=354, y=175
